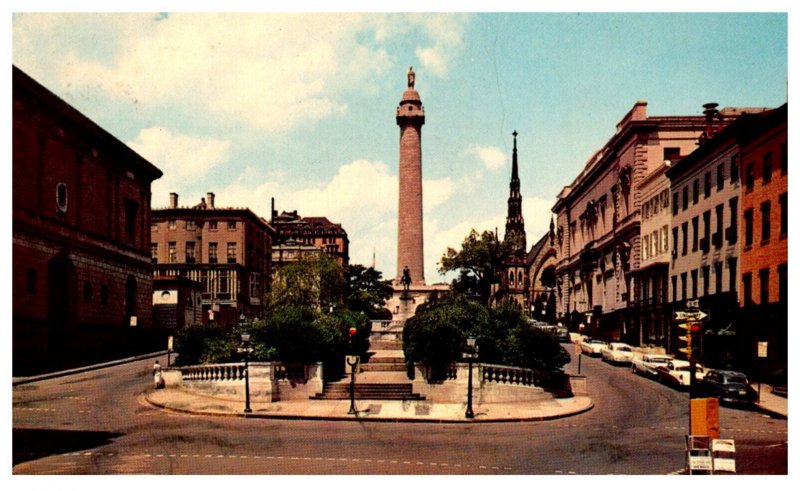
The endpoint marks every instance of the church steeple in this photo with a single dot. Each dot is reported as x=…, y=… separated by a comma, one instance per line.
x=515, y=224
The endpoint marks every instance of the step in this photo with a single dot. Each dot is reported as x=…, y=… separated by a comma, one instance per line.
x=383, y=367
x=377, y=391
x=385, y=359
x=386, y=345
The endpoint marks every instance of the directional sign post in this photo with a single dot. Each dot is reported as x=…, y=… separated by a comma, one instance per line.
x=690, y=315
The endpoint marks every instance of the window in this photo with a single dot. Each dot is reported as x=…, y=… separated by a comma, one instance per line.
x=224, y=278
x=674, y=241
x=706, y=280
x=694, y=283
x=747, y=286
x=30, y=280
x=254, y=285
x=191, y=225
x=721, y=176
x=685, y=198
x=783, y=284
x=695, y=231
x=212, y=225
x=674, y=288
x=734, y=169
x=231, y=224
x=154, y=251
x=674, y=204
x=748, y=227
x=704, y=242
x=672, y=153
x=766, y=174
x=231, y=252
x=683, y=286
x=707, y=185
x=172, y=254
x=131, y=211
x=665, y=239
x=784, y=159
x=765, y=222
x=685, y=242
x=695, y=191
x=61, y=198
x=212, y=252
x=784, y=215
x=172, y=225
x=718, y=277
x=104, y=295
x=645, y=247
x=655, y=244
x=763, y=280
x=87, y=292
x=749, y=177
x=718, y=233
x=154, y=227
x=733, y=231
x=190, y=252
x=732, y=274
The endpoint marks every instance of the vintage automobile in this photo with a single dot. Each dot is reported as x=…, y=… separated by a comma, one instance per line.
x=729, y=386
x=562, y=333
x=617, y=353
x=676, y=373
x=591, y=347
x=648, y=363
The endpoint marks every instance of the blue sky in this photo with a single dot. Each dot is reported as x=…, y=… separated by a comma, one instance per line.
x=301, y=107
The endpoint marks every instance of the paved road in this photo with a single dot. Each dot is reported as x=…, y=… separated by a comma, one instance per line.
x=94, y=423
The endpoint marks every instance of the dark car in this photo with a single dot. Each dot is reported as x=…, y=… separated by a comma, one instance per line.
x=729, y=386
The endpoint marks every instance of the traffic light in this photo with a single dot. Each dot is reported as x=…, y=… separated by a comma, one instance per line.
x=692, y=329
x=351, y=337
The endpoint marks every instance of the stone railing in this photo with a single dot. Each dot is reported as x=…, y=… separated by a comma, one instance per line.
x=270, y=381
x=556, y=382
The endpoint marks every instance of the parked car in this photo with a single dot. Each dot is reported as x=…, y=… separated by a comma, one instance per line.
x=617, y=353
x=729, y=386
x=562, y=333
x=676, y=373
x=648, y=363
x=592, y=347
x=780, y=383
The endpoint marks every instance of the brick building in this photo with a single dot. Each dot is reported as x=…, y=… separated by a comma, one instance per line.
x=227, y=250
x=82, y=277
x=764, y=234
x=598, y=236
x=177, y=302
x=298, y=236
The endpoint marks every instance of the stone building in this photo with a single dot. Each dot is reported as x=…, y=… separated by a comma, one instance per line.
x=177, y=302
x=541, y=277
x=597, y=226
x=227, y=250
x=765, y=237
x=298, y=236
x=82, y=278
x=513, y=278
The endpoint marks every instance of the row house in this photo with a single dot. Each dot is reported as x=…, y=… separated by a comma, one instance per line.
x=82, y=278
x=765, y=233
x=598, y=222
x=714, y=209
x=227, y=250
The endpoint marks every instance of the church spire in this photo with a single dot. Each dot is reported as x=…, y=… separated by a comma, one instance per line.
x=515, y=224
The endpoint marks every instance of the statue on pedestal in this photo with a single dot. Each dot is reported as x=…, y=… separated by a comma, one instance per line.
x=406, y=281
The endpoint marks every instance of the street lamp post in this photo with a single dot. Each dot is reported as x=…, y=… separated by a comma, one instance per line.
x=246, y=350
x=470, y=353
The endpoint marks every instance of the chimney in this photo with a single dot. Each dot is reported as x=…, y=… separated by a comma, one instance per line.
x=210, y=200
x=173, y=200
x=273, y=213
x=711, y=112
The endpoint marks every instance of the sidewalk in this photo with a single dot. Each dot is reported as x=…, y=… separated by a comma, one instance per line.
x=398, y=411
x=775, y=406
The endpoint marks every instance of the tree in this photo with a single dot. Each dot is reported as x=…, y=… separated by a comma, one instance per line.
x=480, y=257
x=365, y=291
x=314, y=280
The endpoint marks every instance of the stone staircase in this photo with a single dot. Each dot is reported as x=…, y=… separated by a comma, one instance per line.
x=383, y=376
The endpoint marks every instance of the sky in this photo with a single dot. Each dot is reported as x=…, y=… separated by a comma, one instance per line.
x=300, y=107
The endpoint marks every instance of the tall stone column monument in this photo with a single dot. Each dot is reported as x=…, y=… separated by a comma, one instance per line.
x=410, y=118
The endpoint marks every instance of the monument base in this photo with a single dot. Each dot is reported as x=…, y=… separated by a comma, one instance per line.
x=403, y=303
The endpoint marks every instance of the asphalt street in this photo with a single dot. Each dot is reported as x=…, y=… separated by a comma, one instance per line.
x=97, y=423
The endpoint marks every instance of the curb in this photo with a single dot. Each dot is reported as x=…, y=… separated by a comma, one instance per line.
x=356, y=419
x=72, y=371
x=771, y=412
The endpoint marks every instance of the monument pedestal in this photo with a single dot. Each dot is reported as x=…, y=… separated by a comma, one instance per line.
x=404, y=303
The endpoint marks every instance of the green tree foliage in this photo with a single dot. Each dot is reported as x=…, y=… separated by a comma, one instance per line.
x=480, y=257
x=315, y=280
x=435, y=335
x=365, y=291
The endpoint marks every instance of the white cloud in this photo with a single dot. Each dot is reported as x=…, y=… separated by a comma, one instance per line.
x=492, y=158
x=181, y=158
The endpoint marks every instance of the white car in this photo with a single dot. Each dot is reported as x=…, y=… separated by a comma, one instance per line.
x=676, y=373
x=618, y=353
x=648, y=363
x=592, y=347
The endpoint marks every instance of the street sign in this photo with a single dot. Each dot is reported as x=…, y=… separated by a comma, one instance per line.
x=693, y=304
x=694, y=316
x=169, y=343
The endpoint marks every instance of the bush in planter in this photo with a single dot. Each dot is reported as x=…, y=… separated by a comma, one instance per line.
x=199, y=343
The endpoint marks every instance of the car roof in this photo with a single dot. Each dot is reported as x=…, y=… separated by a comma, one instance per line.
x=728, y=373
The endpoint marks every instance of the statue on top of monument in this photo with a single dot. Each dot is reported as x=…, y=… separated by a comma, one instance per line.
x=411, y=77
x=406, y=280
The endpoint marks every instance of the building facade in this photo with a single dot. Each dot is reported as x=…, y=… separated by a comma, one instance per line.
x=541, y=278
x=298, y=236
x=227, y=250
x=513, y=276
x=82, y=276
x=597, y=226
x=764, y=235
